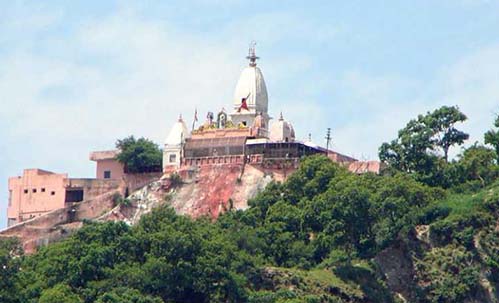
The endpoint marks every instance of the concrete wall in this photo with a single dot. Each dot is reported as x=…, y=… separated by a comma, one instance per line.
x=136, y=181
x=112, y=165
x=97, y=206
x=93, y=187
x=31, y=231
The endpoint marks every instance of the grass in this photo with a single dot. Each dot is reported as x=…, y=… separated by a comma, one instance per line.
x=462, y=204
x=321, y=280
x=325, y=277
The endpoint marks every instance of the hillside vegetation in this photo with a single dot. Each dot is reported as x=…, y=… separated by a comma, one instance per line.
x=415, y=233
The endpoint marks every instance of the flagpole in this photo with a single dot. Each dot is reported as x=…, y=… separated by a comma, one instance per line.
x=195, y=118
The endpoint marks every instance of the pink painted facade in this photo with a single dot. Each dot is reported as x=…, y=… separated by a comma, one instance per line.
x=34, y=193
x=107, y=165
x=38, y=192
x=98, y=198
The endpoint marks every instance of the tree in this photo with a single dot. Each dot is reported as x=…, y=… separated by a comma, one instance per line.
x=59, y=294
x=491, y=137
x=9, y=267
x=477, y=163
x=127, y=295
x=410, y=151
x=441, y=122
x=139, y=155
x=417, y=147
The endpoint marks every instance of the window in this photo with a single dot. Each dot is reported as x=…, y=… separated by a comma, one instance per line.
x=34, y=190
x=25, y=191
x=107, y=174
x=74, y=195
x=173, y=158
x=43, y=189
x=244, y=123
x=52, y=193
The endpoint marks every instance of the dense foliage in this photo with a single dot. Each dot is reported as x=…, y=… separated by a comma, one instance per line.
x=492, y=136
x=139, y=155
x=422, y=148
x=324, y=224
x=324, y=235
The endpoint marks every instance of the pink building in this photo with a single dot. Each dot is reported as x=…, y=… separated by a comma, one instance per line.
x=38, y=191
x=107, y=165
x=34, y=193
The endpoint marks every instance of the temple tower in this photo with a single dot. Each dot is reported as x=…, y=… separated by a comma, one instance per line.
x=250, y=96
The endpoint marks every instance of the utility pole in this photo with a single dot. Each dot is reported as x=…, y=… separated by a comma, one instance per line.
x=328, y=139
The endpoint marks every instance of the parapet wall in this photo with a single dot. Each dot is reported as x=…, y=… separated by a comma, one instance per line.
x=33, y=231
x=136, y=181
x=94, y=187
x=95, y=207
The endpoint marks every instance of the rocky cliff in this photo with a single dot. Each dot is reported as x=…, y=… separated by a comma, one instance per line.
x=200, y=191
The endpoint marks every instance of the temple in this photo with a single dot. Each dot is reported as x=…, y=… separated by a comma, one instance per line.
x=223, y=162
x=245, y=135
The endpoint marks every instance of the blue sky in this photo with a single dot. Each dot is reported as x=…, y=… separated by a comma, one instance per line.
x=75, y=77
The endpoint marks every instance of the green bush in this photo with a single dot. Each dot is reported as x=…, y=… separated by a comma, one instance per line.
x=139, y=155
x=59, y=294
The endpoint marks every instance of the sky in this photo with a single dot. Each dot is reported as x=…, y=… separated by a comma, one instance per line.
x=76, y=76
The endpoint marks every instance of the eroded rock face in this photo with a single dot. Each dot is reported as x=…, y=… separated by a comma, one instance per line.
x=140, y=202
x=211, y=190
x=416, y=268
x=202, y=191
x=396, y=264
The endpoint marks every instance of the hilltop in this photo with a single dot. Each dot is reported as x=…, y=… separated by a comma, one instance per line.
x=324, y=235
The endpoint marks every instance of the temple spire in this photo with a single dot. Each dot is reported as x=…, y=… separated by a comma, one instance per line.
x=252, y=54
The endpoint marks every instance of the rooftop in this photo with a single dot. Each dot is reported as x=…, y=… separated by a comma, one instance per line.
x=104, y=155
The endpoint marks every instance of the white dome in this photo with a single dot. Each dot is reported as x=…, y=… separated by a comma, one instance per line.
x=178, y=133
x=251, y=85
x=282, y=131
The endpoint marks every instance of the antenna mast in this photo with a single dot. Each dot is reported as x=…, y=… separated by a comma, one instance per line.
x=252, y=54
x=328, y=139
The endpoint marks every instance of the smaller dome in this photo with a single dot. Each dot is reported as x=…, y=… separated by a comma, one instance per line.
x=282, y=131
x=178, y=133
